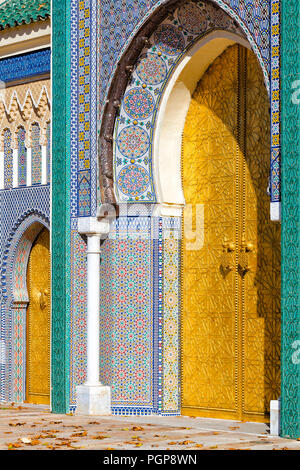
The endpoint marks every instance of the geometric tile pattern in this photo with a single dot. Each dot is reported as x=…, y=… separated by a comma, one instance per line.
x=48, y=152
x=78, y=318
x=169, y=43
x=275, y=101
x=8, y=160
x=25, y=65
x=22, y=157
x=36, y=155
x=126, y=357
x=83, y=108
x=171, y=318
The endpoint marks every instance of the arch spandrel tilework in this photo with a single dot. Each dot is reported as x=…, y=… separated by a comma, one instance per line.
x=133, y=174
x=253, y=17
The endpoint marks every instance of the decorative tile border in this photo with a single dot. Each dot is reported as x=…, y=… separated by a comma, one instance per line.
x=84, y=108
x=25, y=66
x=275, y=101
x=171, y=320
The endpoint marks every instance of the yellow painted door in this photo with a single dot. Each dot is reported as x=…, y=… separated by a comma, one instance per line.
x=230, y=285
x=38, y=322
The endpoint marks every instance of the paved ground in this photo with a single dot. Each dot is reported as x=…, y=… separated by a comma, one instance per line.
x=34, y=427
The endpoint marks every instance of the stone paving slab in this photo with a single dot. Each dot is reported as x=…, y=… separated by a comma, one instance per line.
x=28, y=427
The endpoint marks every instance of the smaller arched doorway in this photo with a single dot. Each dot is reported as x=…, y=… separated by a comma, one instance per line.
x=38, y=321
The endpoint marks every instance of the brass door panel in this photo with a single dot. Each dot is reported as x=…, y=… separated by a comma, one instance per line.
x=225, y=163
x=38, y=322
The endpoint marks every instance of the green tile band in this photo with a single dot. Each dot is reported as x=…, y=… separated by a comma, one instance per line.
x=60, y=204
x=290, y=138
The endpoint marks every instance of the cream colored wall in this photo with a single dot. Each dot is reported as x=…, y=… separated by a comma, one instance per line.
x=172, y=114
x=25, y=38
x=22, y=105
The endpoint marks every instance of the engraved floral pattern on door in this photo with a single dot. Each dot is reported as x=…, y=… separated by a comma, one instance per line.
x=38, y=322
x=230, y=288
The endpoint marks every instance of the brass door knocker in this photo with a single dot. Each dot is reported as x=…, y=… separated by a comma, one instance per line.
x=246, y=248
x=43, y=299
x=226, y=259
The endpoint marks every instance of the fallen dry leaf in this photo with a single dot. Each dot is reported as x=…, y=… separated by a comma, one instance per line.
x=14, y=445
x=35, y=442
x=16, y=424
x=172, y=443
x=185, y=443
x=79, y=434
x=199, y=446
x=100, y=436
x=137, y=428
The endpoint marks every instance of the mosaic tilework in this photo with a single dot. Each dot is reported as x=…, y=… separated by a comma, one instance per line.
x=78, y=320
x=275, y=100
x=126, y=316
x=84, y=107
x=133, y=177
x=121, y=19
x=8, y=160
x=22, y=157
x=171, y=319
x=48, y=152
x=36, y=155
x=25, y=65
x=19, y=333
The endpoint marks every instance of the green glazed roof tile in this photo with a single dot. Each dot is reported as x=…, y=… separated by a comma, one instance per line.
x=16, y=12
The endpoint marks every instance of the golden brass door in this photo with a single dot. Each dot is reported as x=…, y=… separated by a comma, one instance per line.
x=231, y=286
x=38, y=322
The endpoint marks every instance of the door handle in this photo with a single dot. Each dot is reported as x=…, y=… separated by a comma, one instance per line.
x=226, y=261
x=42, y=298
x=246, y=248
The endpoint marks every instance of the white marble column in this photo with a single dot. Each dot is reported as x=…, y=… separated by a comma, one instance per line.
x=93, y=398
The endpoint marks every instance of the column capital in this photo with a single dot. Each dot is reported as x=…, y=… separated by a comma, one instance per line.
x=92, y=226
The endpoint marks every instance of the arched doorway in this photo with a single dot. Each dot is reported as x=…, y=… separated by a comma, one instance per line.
x=231, y=286
x=38, y=321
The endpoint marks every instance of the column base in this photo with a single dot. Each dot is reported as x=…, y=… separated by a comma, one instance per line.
x=275, y=417
x=93, y=400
